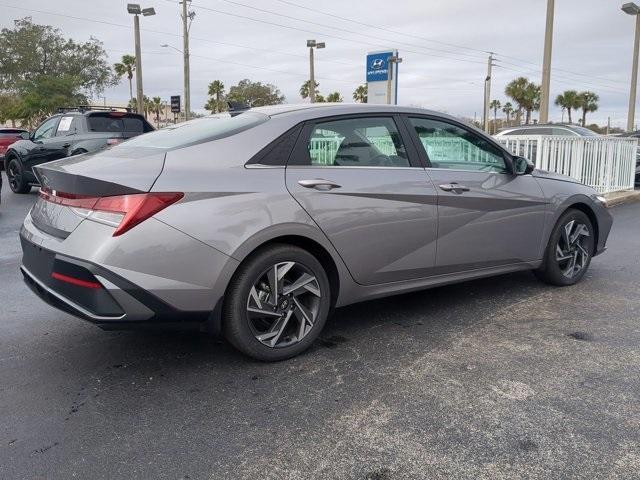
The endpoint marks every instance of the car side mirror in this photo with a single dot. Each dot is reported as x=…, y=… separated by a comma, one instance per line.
x=25, y=135
x=522, y=166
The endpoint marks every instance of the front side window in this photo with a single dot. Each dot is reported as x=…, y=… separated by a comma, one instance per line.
x=452, y=147
x=357, y=142
x=46, y=130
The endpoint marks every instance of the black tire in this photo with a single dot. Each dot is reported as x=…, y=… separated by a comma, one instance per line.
x=560, y=272
x=15, y=176
x=238, y=326
x=79, y=151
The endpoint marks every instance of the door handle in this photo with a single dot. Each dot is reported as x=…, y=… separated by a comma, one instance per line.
x=318, y=184
x=66, y=145
x=453, y=187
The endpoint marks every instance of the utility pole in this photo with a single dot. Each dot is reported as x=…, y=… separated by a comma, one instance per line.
x=390, y=62
x=487, y=94
x=546, y=64
x=312, y=74
x=633, y=9
x=187, y=17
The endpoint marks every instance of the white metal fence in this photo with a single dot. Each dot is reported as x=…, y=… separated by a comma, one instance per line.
x=605, y=163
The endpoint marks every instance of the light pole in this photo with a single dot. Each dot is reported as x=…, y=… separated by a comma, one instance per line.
x=390, y=61
x=187, y=103
x=135, y=10
x=312, y=78
x=187, y=18
x=546, y=64
x=487, y=95
x=633, y=9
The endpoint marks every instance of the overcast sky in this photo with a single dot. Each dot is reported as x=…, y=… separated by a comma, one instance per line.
x=442, y=42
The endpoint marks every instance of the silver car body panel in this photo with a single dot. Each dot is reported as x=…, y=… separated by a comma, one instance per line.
x=387, y=230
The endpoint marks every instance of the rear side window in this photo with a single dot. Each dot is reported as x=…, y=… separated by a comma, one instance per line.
x=116, y=123
x=200, y=130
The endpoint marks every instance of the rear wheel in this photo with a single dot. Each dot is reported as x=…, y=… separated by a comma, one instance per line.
x=277, y=303
x=569, y=250
x=15, y=175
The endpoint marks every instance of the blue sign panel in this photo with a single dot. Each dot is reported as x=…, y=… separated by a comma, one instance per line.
x=377, y=66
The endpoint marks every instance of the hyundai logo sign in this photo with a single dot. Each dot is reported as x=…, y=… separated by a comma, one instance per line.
x=377, y=66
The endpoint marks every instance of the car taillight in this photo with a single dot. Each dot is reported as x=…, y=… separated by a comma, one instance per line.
x=113, y=141
x=121, y=211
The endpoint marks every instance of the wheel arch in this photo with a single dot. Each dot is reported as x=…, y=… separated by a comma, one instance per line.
x=588, y=211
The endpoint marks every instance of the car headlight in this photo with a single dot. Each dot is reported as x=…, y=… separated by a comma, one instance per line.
x=601, y=199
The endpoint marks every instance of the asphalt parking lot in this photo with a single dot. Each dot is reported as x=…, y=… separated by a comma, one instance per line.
x=496, y=378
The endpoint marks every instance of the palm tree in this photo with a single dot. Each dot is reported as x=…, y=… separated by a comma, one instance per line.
x=495, y=105
x=508, y=110
x=360, y=93
x=569, y=99
x=126, y=67
x=305, y=89
x=334, y=97
x=216, y=90
x=516, y=91
x=588, y=102
x=156, y=107
x=531, y=100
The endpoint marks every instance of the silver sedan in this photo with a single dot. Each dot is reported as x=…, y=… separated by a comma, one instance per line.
x=255, y=225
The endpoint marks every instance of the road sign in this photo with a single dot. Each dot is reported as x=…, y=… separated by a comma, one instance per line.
x=175, y=103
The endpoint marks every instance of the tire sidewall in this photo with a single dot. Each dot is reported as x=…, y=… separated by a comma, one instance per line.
x=22, y=187
x=235, y=321
x=551, y=268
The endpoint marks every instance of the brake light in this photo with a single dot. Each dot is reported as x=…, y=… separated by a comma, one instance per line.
x=113, y=141
x=121, y=211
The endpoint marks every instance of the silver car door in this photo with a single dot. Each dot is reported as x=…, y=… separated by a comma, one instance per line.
x=487, y=216
x=362, y=184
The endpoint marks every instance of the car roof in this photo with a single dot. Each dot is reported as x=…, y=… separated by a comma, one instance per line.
x=307, y=111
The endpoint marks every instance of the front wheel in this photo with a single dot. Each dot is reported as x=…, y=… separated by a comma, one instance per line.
x=277, y=303
x=569, y=250
x=15, y=175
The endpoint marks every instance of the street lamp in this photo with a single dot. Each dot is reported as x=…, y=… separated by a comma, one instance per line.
x=312, y=80
x=135, y=10
x=390, y=61
x=633, y=9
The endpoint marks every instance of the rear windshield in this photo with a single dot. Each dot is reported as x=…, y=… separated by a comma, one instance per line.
x=10, y=131
x=212, y=127
x=116, y=123
x=585, y=132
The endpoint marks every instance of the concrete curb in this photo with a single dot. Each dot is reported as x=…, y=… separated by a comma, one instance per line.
x=618, y=198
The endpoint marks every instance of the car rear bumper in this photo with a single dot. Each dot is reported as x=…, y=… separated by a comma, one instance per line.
x=83, y=275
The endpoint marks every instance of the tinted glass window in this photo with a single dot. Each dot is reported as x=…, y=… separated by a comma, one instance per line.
x=357, y=142
x=450, y=146
x=199, y=130
x=46, y=130
x=585, y=132
x=564, y=132
x=115, y=123
x=10, y=131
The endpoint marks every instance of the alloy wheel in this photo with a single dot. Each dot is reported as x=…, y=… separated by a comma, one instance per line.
x=572, y=252
x=14, y=176
x=283, y=304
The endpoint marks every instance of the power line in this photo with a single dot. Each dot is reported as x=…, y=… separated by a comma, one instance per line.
x=324, y=34
x=378, y=27
x=261, y=10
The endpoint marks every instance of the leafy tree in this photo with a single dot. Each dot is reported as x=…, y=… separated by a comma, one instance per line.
x=515, y=90
x=29, y=50
x=9, y=108
x=216, y=97
x=146, y=105
x=334, y=97
x=320, y=98
x=42, y=96
x=255, y=94
x=305, y=89
x=360, y=93
x=156, y=107
x=507, y=109
x=588, y=102
x=126, y=67
x=569, y=100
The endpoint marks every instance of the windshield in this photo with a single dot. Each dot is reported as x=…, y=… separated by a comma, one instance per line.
x=116, y=123
x=212, y=127
x=584, y=132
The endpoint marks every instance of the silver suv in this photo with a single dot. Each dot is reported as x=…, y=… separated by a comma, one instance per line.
x=256, y=225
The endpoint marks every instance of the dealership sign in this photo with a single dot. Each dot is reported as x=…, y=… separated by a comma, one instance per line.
x=377, y=75
x=175, y=103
